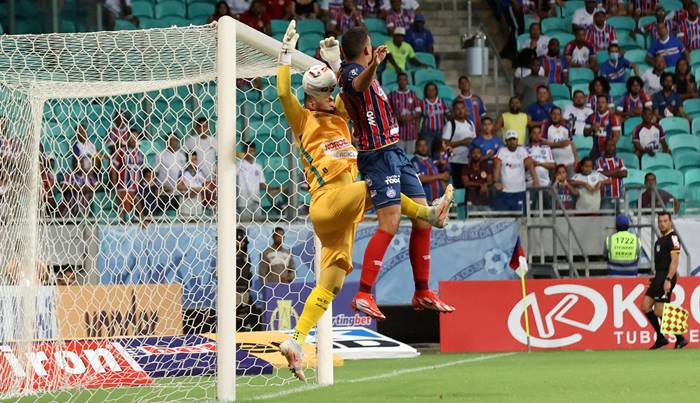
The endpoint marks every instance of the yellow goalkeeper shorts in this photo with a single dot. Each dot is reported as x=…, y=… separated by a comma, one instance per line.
x=335, y=210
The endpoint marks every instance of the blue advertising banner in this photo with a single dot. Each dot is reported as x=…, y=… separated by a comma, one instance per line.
x=465, y=250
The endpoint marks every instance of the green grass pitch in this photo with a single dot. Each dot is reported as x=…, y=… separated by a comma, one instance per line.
x=562, y=376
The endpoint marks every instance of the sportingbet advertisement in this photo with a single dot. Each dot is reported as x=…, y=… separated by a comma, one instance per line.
x=582, y=314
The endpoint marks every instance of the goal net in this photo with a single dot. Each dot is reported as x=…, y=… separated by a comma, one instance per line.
x=127, y=259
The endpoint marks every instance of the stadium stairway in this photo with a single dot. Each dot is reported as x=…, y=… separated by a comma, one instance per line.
x=448, y=25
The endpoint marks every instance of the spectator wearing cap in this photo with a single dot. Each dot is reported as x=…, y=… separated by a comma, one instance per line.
x=256, y=17
x=514, y=120
x=634, y=101
x=689, y=29
x=670, y=47
x=667, y=102
x=537, y=42
x=400, y=51
x=348, y=17
x=662, y=196
x=578, y=52
x=649, y=137
x=622, y=249
x=600, y=34
x=509, y=169
x=539, y=111
x=556, y=68
x=583, y=17
x=652, y=76
x=398, y=17
x=419, y=36
x=615, y=68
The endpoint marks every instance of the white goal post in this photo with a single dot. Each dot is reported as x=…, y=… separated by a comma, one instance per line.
x=134, y=85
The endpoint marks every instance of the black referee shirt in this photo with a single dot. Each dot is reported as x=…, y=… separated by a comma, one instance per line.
x=663, y=248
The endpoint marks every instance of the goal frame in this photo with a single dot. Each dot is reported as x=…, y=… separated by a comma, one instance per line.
x=229, y=31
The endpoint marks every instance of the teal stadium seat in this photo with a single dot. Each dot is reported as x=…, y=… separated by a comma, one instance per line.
x=692, y=177
x=172, y=21
x=553, y=25
x=625, y=144
x=646, y=20
x=628, y=43
x=658, y=161
x=635, y=56
x=687, y=161
x=665, y=177
x=629, y=159
x=694, y=59
x=376, y=25
x=199, y=9
x=559, y=92
x=309, y=42
x=563, y=37
x=581, y=75
x=677, y=191
x=389, y=76
x=617, y=90
x=445, y=92
x=672, y=5
x=630, y=124
x=623, y=25
x=696, y=126
x=427, y=58
x=311, y=26
x=379, y=39
x=634, y=179
x=601, y=56
x=425, y=76
x=563, y=103
x=278, y=26
x=675, y=125
x=571, y=6
x=583, y=142
x=521, y=39
x=68, y=26
x=684, y=142
x=170, y=8
x=143, y=9
x=692, y=107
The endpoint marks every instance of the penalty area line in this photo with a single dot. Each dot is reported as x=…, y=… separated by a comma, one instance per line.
x=391, y=374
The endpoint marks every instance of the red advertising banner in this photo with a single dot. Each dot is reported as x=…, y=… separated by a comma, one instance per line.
x=576, y=314
x=80, y=364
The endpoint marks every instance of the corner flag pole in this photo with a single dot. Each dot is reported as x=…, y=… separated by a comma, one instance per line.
x=523, y=269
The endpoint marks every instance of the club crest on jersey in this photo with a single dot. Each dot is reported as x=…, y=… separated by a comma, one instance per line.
x=391, y=193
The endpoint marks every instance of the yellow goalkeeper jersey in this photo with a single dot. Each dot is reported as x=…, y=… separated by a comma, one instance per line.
x=323, y=138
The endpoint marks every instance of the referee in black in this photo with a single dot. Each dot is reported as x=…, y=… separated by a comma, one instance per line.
x=666, y=251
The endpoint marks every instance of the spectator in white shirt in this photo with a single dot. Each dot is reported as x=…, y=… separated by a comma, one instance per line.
x=649, y=137
x=589, y=183
x=583, y=17
x=168, y=166
x=190, y=184
x=652, y=77
x=85, y=149
x=543, y=160
x=575, y=114
x=458, y=134
x=251, y=180
x=538, y=42
x=410, y=5
x=202, y=143
x=558, y=137
x=509, y=174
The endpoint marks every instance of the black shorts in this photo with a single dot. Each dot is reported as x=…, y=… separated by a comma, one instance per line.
x=656, y=287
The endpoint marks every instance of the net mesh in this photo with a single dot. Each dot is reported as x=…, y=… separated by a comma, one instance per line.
x=107, y=215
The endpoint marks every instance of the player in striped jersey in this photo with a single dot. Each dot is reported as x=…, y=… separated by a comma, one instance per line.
x=603, y=126
x=634, y=101
x=612, y=167
x=406, y=104
x=600, y=34
x=435, y=111
x=387, y=171
x=338, y=201
x=689, y=29
x=556, y=68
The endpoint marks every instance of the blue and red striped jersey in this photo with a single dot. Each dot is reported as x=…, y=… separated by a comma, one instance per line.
x=645, y=5
x=403, y=19
x=425, y=166
x=600, y=39
x=554, y=68
x=374, y=123
x=629, y=103
x=406, y=104
x=690, y=30
x=434, y=114
x=616, y=188
x=653, y=29
x=592, y=102
x=475, y=109
x=608, y=123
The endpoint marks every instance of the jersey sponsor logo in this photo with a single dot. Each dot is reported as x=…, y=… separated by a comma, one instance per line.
x=676, y=242
x=370, y=118
x=392, y=179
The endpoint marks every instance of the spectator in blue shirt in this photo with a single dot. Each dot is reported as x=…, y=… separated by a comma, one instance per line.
x=669, y=46
x=667, y=102
x=487, y=141
x=419, y=37
x=615, y=68
x=539, y=111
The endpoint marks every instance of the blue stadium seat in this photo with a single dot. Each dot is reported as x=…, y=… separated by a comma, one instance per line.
x=665, y=177
x=671, y=5
x=170, y=8
x=629, y=159
x=635, y=178
x=142, y=9
x=696, y=126
x=376, y=25
x=424, y=76
x=278, y=26
x=389, y=88
x=559, y=91
x=199, y=9
x=684, y=142
x=687, y=161
x=658, y=161
x=677, y=191
x=636, y=56
x=310, y=26
x=692, y=177
x=675, y=125
x=68, y=26
x=581, y=75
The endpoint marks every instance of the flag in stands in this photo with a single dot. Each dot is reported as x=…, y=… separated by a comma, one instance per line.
x=518, y=260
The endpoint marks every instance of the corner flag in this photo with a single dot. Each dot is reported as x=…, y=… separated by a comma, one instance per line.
x=674, y=320
x=518, y=262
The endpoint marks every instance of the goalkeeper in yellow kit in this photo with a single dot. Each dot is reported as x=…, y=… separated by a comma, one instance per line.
x=338, y=201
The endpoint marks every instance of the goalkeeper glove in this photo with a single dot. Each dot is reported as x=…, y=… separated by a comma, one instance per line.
x=289, y=42
x=330, y=53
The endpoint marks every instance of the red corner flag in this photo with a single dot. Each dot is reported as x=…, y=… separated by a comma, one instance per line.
x=518, y=260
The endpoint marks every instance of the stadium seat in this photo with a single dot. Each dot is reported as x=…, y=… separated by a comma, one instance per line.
x=199, y=9
x=629, y=125
x=144, y=9
x=623, y=25
x=684, y=142
x=646, y=20
x=559, y=91
x=583, y=87
x=521, y=40
x=694, y=59
x=553, y=25
x=696, y=126
x=379, y=39
x=672, y=5
x=627, y=42
x=666, y=177
x=677, y=191
x=617, y=90
x=635, y=178
x=309, y=42
x=445, y=92
x=675, y=125
x=170, y=8
x=427, y=58
x=459, y=205
x=389, y=88
x=68, y=26
x=278, y=26
x=571, y=6
x=687, y=161
x=692, y=177
x=625, y=144
x=376, y=25
x=581, y=75
x=692, y=107
x=658, y=161
x=425, y=76
x=583, y=142
x=635, y=56
x=563, y=103
x=310, y=26
x=629, y=159
x=389, y=76
x=563, y=37
x=124, y=25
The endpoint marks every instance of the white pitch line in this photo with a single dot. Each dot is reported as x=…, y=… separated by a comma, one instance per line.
x=391, y=374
